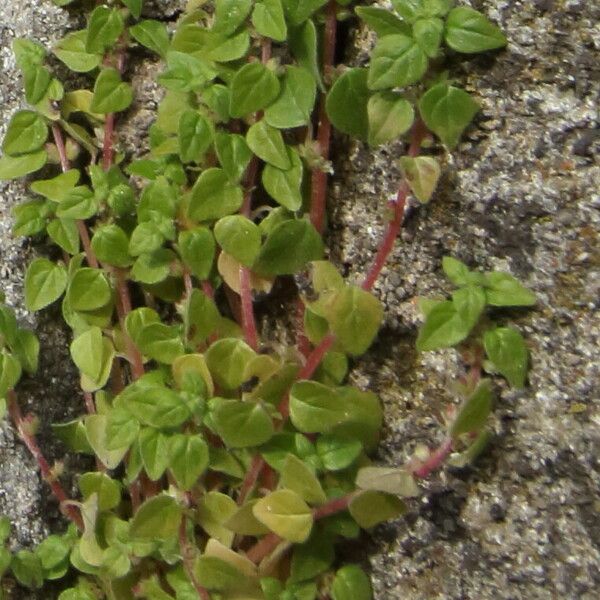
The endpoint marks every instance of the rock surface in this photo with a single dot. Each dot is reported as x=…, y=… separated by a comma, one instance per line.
x=520, y=194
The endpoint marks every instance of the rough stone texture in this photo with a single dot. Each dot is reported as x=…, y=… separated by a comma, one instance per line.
x=520, y=194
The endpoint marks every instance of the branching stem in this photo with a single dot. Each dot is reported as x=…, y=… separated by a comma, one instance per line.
x=29, y=440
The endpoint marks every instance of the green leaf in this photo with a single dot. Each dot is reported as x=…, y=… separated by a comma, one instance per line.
x=351, y=583
x=422, y=174
x=89, y=289
x=230, y=14
x=336, y=452
x=157, y=519
x=267, y=143
x=390, y=116
x=154, y=448
x=44, y=283
x=135, y=6
x=213, y=511
x=233, y=154
x=107, y=489
x=158, y=406
x=73, y=435
x=469, y=31
x=96, y=430
x=443, y=328
x=459, y=274
x=195, y=136
x=382, y=21
x=392, y=481
x=214, y=573
x=355, y=318
x=503, y=289
x=397, y=61
x=507, y=351
x=188, y=459
x=26, y=348
x=268, y=19
x=37, y=82
x=226, y=49
x=30, y=217
x=314, y=407
x=304, y=46
x=153, y=267
x=197, y=250
x=347, y=103
x=65, y=234
x=110, y=245
x=298, y=477
x=239, y=237
x=312, y=558
x=160, y=342
x=284, y=186
x=469, y=303
x=27, y=569
x=121, y=429
x=53, y=553
x=243, y=521
x=146, y=237
x=86, y=352
x=214, y=196
x=153, y=35
x=80, y=203
x=28, y=53
x=241, y=424
x=447, y=111
x=297, y=12
x=10, y=372
x=295, y=103
x=71, y=51
x=474, y=411
x=252, y=88
x=26, y=133
x=368, y=508
x=275, y=257
x=15, y=167
x=104, y=28
x=428, y=34
x=286, y=514
x=186, y=72
x=201, y=317
x=57, y=188
x=110, y=93
x=409, y=10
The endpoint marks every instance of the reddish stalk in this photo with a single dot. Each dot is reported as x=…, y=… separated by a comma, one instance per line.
x=312, y=362
x=252, y=475
x=65, y=166
x=188, y=555
x=435, y=461
x=269, y=543
x=123, y=309
x=108, y=151
x=263, y=548
x=332, y=507
x=248, y=321
x=208, y=289
x=319, y=177
x=187, y=282
x=65, y=504
x=398, y=206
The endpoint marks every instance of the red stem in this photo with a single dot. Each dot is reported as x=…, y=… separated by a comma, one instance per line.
x=123, y=309
x=319, y=177
x=81, y=227
x=29, y=440
x=188, y=553
x=263, y=548
x=248, y=321
x=435, y=461
x=398, y=206
x=252, y=475
x=332, y=507
x=312, y=362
